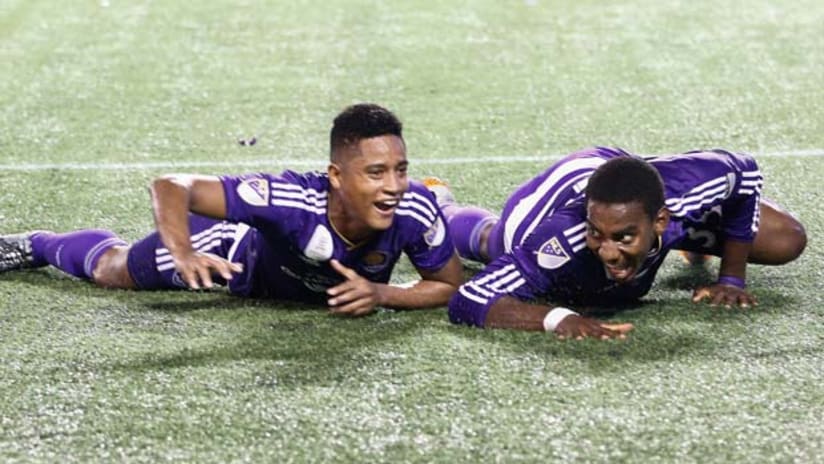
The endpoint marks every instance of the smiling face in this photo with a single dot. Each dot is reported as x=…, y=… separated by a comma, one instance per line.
x=368, y=180
x=622, y=234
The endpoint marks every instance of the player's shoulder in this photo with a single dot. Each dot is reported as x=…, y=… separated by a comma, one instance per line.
x=711, y=159
x=418, y=205
x=557, y=241
x=312, y=180
x=287, y=191
x=582, y=162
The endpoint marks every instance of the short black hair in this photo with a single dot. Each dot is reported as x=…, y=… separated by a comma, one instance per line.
x=362, y=121
x=627, y=179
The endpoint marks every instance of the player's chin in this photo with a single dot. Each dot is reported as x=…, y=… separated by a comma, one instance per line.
x=382, y=219
x=381, y=222
x=621, y=274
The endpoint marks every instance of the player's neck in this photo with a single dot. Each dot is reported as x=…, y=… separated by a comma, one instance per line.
x=352, y=232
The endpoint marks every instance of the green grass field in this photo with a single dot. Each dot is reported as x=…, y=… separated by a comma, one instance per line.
x=98, y=97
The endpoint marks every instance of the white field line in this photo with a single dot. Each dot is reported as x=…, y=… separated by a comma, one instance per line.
x=319, y=163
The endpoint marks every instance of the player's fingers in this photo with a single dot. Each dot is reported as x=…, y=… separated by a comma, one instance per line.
x=342, y=270
x=236, y=267
x=188, y=276
x=746, y=300
x=604, y=334
x=700, y=294
x=349, y=293
x=721, y=297
x=228, y=269
x=341, y=288
x=221, y=267
x=620, y=328
x=204, y=273
x=353, y=308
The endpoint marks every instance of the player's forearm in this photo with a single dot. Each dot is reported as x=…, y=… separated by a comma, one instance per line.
x=170, y=205
x=422, y=294
x=734, y=259
x=511, y=313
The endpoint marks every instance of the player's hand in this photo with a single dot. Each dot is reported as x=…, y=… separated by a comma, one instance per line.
x=580, y=327
x=196, y=269
x=722, y=294
x=355, y=296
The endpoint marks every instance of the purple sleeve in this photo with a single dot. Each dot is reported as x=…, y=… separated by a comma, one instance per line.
x=428, y=245
x=698, y=181
x=248, y=197
x=502, y=277
x=269, y=201
x=530, y=270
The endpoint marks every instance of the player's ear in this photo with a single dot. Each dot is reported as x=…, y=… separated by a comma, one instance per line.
x=661, y=221
x=334, y=175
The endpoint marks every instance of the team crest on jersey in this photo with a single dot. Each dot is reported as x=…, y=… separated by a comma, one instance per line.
x=320, y=246
x=374, y=261
x=552, y=255
x=435, y=235
x=177, y=280
x=254, y=191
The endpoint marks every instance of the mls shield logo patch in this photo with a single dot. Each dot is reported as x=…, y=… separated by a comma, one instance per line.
x=552, y=255
x=254, y=191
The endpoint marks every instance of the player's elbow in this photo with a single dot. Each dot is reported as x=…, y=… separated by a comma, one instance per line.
x=171, y=181
x=463, y=311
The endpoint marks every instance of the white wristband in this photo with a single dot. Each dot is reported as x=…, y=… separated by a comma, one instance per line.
x=555, y=316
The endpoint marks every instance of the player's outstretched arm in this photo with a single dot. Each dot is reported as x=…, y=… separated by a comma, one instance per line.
x=511, y=313
x=173, y=197
x=357, y=296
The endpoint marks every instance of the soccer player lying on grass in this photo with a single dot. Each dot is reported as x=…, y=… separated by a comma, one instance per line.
x=328, y=238
x=593, y=229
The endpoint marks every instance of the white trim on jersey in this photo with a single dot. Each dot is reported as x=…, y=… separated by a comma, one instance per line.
x=528, y=203
x=203, y=248
x=711, y=191
x=698, y=197
x=242, y=230
x=298, y=205
x=420, y=203
x=752, y=180
x=296, y=196
x=308, y=191
x=308, y=199
x=464, y=291
x=413, y=214
x=414, y=205
x=576, y=236
x=216, y=232
x=204, y=241
x=492, y=284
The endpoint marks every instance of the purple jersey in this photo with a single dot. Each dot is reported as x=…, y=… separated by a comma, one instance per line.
x=711, y=196
x=277, y=226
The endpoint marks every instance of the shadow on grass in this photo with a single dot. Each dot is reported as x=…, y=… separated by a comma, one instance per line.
x=297, y=344
x=665, y=330
x=292, y=348
x=688, y=278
